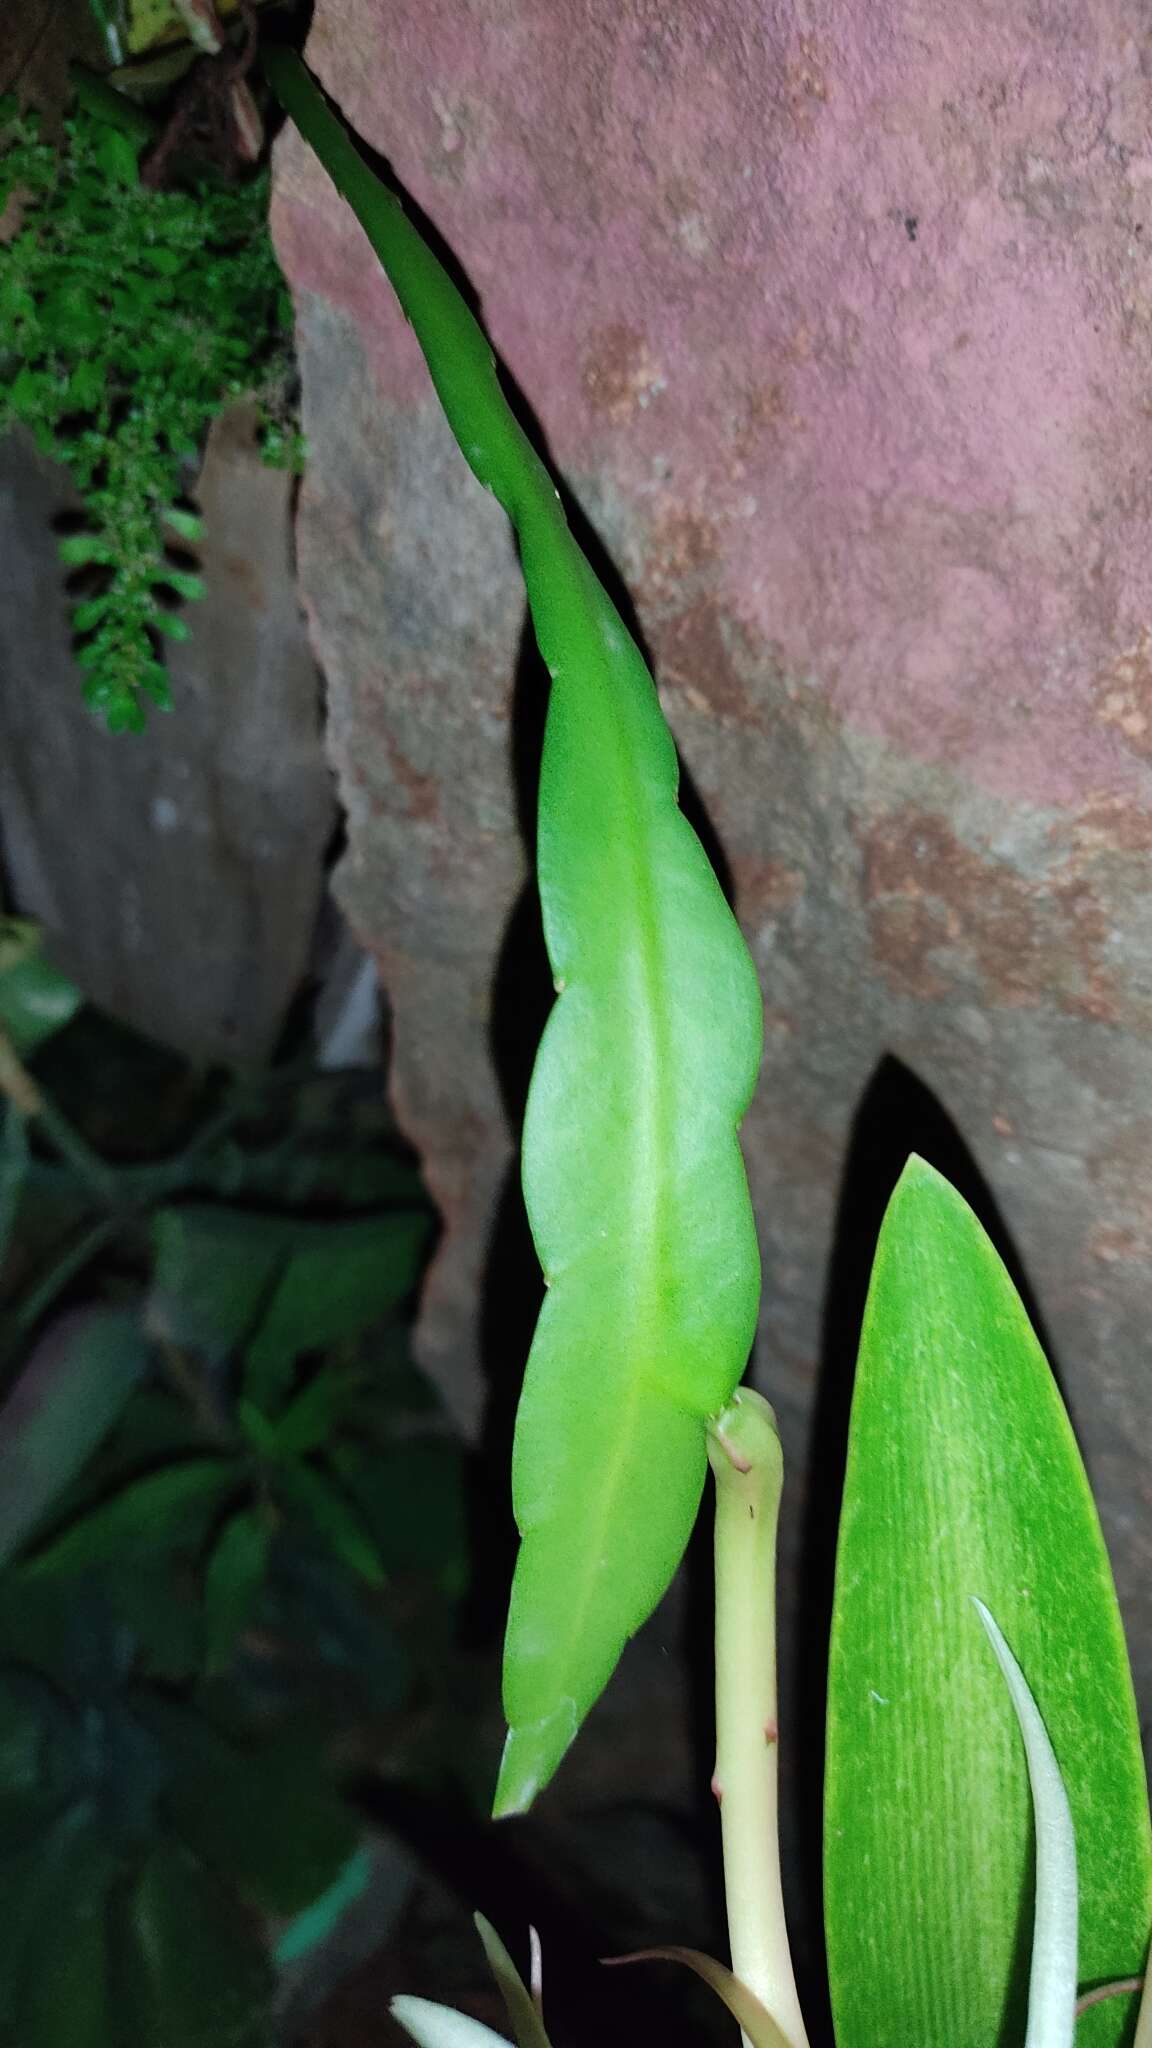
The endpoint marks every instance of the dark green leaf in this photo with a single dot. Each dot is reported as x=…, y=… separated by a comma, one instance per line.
x=233, y=1581
x=214, y=1268
x=264, y=1814
x=151, y=1510
x=116, y=157
x=36, y=1000
x=341, y=1277
x=64, y=1999
x=311, y=1416
x=411, y=1494
x=313, y=1496
x=964, y=1480
x=14, y=1156
x=61, y=1408
x=193, y=1972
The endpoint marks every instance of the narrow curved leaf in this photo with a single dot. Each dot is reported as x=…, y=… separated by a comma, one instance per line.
x=1052, y=1977
x=633, y=1179
x=526, y=2022
x=964, y=1480
x=753, y=2018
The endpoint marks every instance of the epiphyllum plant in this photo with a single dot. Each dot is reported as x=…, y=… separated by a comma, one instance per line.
x=954, y=1783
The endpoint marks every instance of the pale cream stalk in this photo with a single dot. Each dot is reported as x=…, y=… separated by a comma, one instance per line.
x=747, y=1464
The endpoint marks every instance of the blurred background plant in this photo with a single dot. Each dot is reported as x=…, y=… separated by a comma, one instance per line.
x=232, y=1535
x=139, y=296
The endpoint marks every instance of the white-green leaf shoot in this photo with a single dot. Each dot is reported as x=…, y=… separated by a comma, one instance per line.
x=1052, y=1983
x=441, y=2026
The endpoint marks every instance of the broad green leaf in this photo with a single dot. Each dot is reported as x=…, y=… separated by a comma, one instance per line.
x=964, y=1481
x=64, y=1998
x=261, y=1812
x=33, y=1871
x=60, y=1409
x=147, y=1510
x=214, y=1270
x=633, y=1178
x=233, y=1578
x=227, y=1279
x=35, y=998
x=338, y=1278
x=193, y=1971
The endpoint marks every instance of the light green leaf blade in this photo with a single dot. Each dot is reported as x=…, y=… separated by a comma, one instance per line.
x=633, y=1178
x=964, y=1480
x=525, y=2020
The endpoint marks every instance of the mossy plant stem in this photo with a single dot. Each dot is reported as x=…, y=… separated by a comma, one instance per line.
x=747, y=1464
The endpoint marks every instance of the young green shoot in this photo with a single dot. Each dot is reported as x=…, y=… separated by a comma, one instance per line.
x=1052, y=1983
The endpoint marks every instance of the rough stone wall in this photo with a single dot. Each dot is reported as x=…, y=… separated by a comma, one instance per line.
x=837, y=321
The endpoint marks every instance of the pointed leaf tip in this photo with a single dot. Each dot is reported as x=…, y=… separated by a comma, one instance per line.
x=523, y=2011
x=532, y=1755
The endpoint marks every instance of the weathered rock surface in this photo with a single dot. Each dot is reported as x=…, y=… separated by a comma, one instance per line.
x=838, y=322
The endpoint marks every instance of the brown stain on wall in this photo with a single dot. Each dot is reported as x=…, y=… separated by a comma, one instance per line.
x=421, y=792
x=1124, y=695
x=699, y=653
x=941, y=915
x=619, y=372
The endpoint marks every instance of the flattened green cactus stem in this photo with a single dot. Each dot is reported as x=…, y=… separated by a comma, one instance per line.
x=633, y=1178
